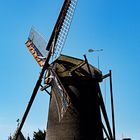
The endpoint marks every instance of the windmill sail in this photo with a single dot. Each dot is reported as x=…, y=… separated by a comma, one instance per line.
x=62, y=99
x=65, y=23
x=61, y=29
x=36, y=45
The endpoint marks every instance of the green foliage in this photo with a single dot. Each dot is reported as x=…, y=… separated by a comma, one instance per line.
x=40, y=135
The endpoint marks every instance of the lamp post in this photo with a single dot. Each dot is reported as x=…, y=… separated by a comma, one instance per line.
x=91, y=50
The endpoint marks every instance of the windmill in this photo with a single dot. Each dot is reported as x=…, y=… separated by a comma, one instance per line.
x=76, y=105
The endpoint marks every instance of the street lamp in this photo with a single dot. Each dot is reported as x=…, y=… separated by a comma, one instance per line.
x=91, y=50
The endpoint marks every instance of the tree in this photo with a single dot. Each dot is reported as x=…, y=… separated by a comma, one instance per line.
x=40, y=135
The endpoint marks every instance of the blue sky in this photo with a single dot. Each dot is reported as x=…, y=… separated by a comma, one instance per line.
x=113, y=26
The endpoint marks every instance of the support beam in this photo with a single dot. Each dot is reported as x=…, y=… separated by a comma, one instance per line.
x=112, y=105
x=105, y=114
x=36, y=88
x=87, y=65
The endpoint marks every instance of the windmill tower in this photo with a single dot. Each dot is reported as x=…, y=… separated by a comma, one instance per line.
x=77, y=110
